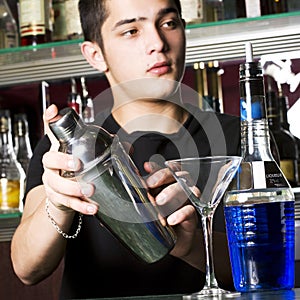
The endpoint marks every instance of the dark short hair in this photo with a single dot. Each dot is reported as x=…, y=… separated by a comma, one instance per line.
x=93, y=13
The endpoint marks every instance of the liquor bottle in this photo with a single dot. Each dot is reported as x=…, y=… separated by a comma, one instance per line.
x=126, y=211
x=22, y=142
x=192, y=11
x=9, y=36
x=214, y=10
x=273, y=6
x=259, y=206
x=87, y=104
x=293, y=5
x=283, y=103
x=59, y=25
x=286, y=143
x=209, y=86
x=74, y=100
x=253, y=8
x=214, y=82
x=12, y=175
x=73, y=25
x=35, y=22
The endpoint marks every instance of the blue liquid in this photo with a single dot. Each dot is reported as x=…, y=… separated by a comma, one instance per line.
x=261, y=244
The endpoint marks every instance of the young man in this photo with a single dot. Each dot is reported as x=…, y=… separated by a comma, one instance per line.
x=140, y=46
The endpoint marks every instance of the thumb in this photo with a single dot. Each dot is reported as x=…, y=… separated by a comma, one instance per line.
x=51, y=115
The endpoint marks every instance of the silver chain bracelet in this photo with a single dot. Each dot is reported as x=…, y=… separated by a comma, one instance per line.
x=66, y=236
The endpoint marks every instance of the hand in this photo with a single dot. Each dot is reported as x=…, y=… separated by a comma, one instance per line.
x=63, y=193
x=179, y=213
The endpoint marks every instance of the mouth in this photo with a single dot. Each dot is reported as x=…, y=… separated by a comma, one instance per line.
x=160, y=68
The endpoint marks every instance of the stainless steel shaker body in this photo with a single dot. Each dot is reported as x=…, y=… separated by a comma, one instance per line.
x=125, y=205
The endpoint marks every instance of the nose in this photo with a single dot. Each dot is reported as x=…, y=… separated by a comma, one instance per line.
x=155, y=41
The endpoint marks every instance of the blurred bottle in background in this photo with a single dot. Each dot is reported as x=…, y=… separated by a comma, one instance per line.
x=286, y=143
x=269, y=7
x=9, y=35
x=22, y=142
x=283, y=103
x=214, y=10
x=293, y=5
x=73, y=25
x=87, y=103
x=12, y=176
x=193, y=11
x=59, y=25
x=74, y=100
x=35, y=21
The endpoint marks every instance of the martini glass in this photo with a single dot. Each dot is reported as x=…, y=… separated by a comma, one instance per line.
x=205, y=180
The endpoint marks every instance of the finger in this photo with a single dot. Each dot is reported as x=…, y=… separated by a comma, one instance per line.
x=159, y=178
x=54, y=182
x=51, y=115
x=60, y=161
x=171, y=199
x=64, y=203
x=186, y=216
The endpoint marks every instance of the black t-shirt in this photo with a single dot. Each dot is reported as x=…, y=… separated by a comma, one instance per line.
x=96, y=264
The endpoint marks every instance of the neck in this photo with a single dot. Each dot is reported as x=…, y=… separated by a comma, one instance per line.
x=150, y=115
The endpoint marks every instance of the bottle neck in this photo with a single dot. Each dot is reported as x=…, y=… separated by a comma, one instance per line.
x=283, y=108
x=6, y=147
x=22, y=145
x=255, y=138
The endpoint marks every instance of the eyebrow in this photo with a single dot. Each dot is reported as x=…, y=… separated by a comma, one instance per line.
x=160, y=14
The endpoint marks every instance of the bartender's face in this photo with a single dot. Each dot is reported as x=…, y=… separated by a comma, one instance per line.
x=143, y=39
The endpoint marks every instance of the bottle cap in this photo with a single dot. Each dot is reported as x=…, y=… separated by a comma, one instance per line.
x=66, y=126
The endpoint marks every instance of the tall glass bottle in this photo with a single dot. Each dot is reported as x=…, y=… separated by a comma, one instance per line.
x=283, y=103
x=253, y=8
x=59, y=25
x=9, y=36
x=286, y=142
x=87, y=104
x=273, y=6
x=12, y=175
x=22, y=142
x=193, y=11
x=214, y=10
x=259, y=208
x=35, y=22
x=74, y=99
x=73, y=25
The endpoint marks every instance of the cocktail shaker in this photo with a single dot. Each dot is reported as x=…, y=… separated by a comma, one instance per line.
x=126, y=207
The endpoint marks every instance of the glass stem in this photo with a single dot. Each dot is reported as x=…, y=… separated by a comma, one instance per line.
x=207, y=222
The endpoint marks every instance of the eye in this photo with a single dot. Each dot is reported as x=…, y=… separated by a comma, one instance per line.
x=169, y=24
x=130, y=32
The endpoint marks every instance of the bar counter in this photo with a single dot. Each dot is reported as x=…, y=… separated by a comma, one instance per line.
x=272, y=295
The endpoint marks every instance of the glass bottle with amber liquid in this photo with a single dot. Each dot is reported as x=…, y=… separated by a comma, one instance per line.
x=286, y=143
x=12, y=176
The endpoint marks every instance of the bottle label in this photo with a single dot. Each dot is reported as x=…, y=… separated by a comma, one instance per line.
x=259, y=175
x=192, y=11
x=32, y=17
x=73, y=25
x=287, y=167
x=252, y=8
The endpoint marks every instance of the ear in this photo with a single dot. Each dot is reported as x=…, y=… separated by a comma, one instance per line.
x=93, y=54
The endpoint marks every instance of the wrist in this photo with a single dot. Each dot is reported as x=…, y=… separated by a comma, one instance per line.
x=57, y=216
